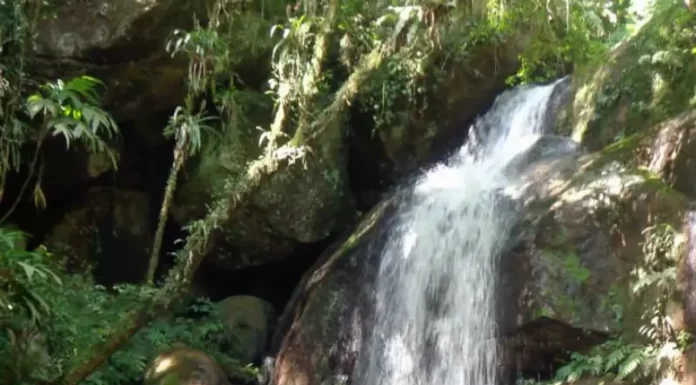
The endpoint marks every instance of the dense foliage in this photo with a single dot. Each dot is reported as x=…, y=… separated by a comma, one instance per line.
x=386, y=57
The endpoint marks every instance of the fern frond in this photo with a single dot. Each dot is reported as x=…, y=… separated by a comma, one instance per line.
x=614, y=358
x=630, y=364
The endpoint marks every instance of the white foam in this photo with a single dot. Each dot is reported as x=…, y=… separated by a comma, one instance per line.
x=435, y=320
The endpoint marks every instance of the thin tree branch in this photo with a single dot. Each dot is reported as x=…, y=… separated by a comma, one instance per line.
x=179, y=157
x=32, y=168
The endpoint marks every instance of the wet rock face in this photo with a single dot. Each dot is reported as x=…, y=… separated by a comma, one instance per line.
x=548, y=147
x=562, y=95
x=323, y=329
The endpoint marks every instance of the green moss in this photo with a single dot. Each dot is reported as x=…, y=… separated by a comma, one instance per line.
x=622, y=152
x=365, y=226
x=651, y=179
x=567, y=278
x=624, y=148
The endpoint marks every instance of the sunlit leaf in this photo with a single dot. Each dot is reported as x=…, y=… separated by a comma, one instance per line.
x=39, y=197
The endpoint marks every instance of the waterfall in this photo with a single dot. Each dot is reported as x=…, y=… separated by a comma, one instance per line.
x=435, y=321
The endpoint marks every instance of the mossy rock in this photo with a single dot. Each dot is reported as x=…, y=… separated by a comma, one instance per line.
x=588, y=224
x=586, y=248
x=664, y=152
x=302, y=202
x=248, y=324
x=185, y=366
x=123, y=43
x=81, y=36
x=646, y=79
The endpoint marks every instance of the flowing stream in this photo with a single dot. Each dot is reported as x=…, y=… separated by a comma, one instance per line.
x=435, y=321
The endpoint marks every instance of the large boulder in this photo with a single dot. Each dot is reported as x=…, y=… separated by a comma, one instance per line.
x=610, y=255
x=321, y=332
x=396, y=141
x=603, y=230
x=123, y=43
x=594, y=228
x=302, y=203
x=110, y=39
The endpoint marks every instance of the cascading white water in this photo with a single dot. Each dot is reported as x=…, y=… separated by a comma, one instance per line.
x=435, y=318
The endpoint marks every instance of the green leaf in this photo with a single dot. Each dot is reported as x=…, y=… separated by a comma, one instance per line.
x=29, y=270
x=36, y=104
x=564, y=371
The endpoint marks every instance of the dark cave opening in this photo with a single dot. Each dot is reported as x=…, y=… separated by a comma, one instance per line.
x=273, y=282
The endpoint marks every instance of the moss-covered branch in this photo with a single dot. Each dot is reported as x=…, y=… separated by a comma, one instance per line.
x=346, y=95
x=313, y=77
